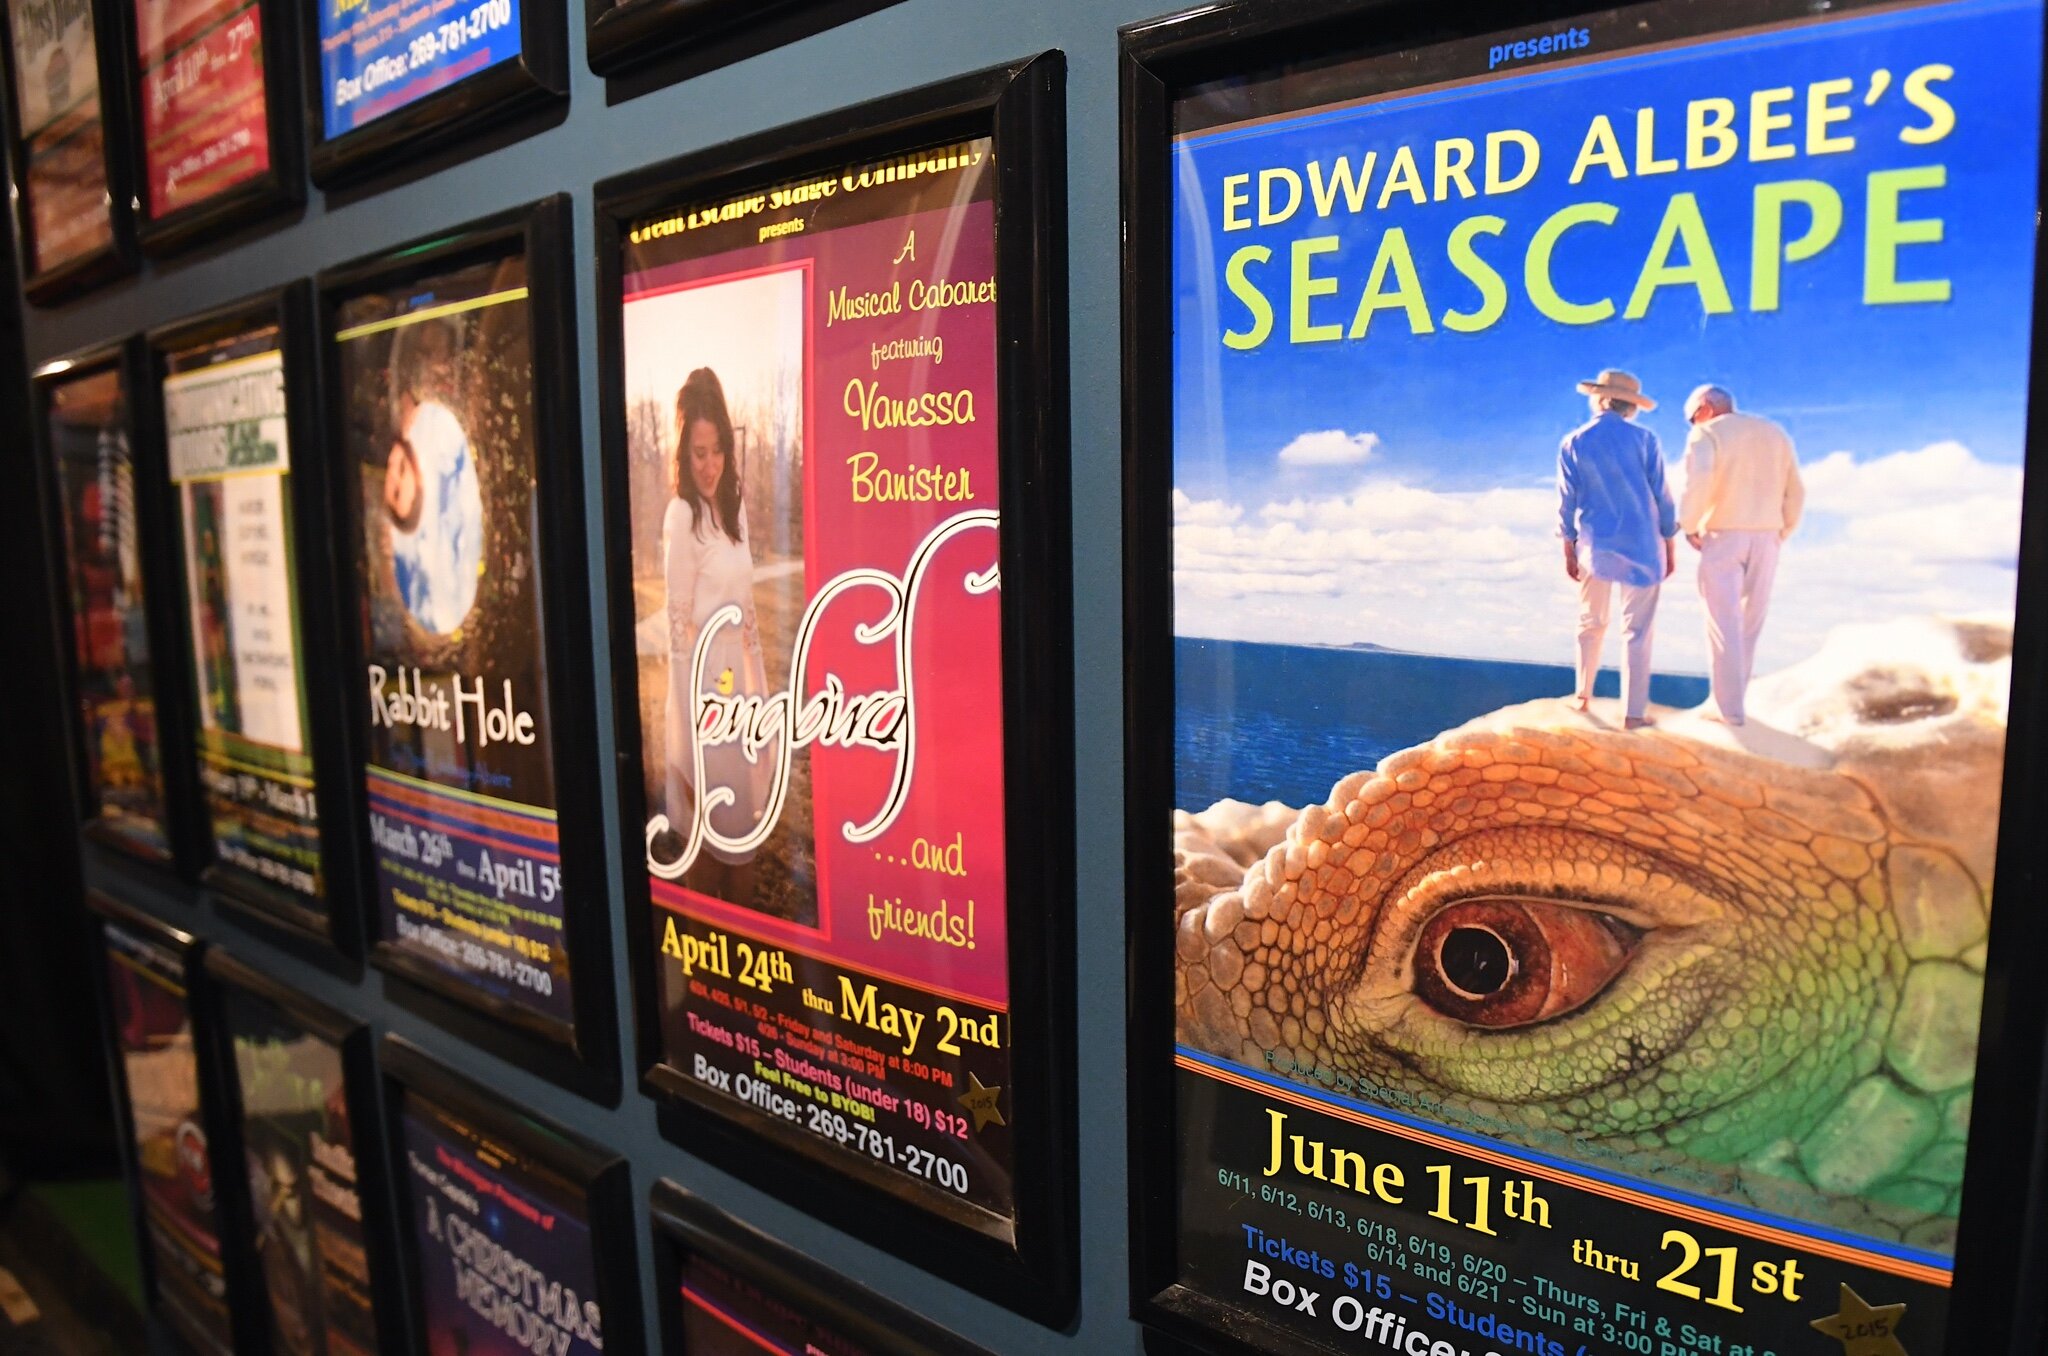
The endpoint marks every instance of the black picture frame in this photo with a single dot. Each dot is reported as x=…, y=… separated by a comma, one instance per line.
x=2006, y=1191
x=290, y=310
x=584, y=1056
x=1029, y=1266
x=108, y=911
x=361, y=1090
x=353, y=1039
x=46, y=287
x=603, y=1176
x=622, y=36
x=159, y=612
x=637, y=33
x=492, y=97
x=279, y=188
x=686, y=1225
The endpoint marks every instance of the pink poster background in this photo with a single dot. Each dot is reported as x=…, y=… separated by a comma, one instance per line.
x=955, y=793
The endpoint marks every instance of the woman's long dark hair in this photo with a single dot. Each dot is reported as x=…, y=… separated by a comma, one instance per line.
x=703, y=398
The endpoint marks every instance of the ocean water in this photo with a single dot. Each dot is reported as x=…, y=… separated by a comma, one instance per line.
x=1287, y=722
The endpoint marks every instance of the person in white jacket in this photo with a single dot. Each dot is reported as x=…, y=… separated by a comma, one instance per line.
x=1742, y=500
x=708, y=563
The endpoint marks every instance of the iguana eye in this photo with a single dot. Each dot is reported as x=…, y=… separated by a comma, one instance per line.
x=1503, y=962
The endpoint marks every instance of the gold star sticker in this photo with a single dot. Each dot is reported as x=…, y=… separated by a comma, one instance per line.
x=1863, y=1330
x=980, y=1101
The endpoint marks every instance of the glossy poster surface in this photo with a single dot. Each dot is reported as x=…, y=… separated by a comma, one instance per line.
x=202, y=96
x=1519, y=1010
x=506, y=1265
x=231, y=470
x=375, y=59
x=160, y=1071
x=299, y=1151
x=437, y=379
x=63, y=134
x=116, y=690
x=725, y=1314
x=810, y=391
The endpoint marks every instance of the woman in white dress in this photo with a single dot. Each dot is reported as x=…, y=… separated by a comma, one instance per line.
x=709, y=564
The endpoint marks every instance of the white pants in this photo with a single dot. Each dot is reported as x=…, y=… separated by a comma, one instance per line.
x=1638, y=615
x=1736, y=570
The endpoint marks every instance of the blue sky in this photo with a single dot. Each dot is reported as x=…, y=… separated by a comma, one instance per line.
x=1431, y=453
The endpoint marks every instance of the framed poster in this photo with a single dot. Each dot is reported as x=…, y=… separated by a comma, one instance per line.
x=458, y=486
x=386, y=85
x=1484, y=996
x=102, y=499
x=832, y=407
x=727, y=1289
x=232, y=409
x=212, y=94
x=164, y=1096
x=299, y=1097
x=518, y=1235
x=71, y=202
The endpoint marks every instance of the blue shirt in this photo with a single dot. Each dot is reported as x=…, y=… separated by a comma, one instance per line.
x=436, y=564
x=1610, y=491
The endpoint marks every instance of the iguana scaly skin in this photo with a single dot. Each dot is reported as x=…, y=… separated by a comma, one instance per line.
x=1747, y=962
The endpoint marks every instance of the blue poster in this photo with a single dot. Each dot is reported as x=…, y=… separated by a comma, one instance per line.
x=1598, y=454
x=506, y=1265
x=377, y=58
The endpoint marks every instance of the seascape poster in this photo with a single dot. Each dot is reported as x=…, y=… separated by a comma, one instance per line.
x=1597, y=467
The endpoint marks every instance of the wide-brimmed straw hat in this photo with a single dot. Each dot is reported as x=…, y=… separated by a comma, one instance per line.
x=1612, y=381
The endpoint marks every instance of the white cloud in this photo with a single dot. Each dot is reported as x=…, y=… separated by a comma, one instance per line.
x=1478, y=572
x=1982, y=529
x=1943, y=472
x=1329, y=447
x=1231, y=583
x=1389, y=505
x=1200, y=511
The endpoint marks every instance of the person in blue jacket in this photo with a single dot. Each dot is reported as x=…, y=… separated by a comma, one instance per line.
x=433, y=496
x=1619, y=527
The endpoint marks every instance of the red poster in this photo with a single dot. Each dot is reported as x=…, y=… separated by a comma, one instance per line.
x=203, y=99
x=810, y=387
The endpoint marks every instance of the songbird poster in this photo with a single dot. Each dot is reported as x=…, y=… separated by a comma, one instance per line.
x=1597, y=455
x=813, y=485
